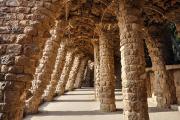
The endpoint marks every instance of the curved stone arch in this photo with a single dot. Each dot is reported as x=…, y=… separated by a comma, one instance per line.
x=80, y=23
x=85, y=46
x=83, y=19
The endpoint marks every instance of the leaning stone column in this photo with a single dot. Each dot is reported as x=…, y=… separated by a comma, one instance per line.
x=73, y=72
x=43, y=72
x=133, y=62
x=60, y=61
x=107, y=81
x=162, y=94
x=60, y=88
x=96, y=67
x=80, y=75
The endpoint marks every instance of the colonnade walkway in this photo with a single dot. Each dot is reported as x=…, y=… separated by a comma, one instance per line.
x=80, y=105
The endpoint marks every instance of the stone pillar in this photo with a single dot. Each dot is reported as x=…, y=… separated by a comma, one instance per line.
x=43, y=73
x=60, y=61
x=60, y=88
x=133, y=62
x=81, y=71
x=12, y=91
x=162, y=89
x=107, y=80
x=89, y=75
x=96, y=67
x=73, y=72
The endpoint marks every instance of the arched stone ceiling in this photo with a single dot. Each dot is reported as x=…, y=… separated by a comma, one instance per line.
x=81, y=18
x=83, y=45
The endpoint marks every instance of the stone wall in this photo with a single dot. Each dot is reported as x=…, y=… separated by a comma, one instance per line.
x=24, y=27
x=174, y=73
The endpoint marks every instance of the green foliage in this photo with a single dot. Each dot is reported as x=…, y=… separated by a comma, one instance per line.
x=177, y=38
x=170, y=28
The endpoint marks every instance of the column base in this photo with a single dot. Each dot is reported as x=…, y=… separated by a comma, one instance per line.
x=160, y=102
x=96, y=98
x=60, y=92
x=13, y=115
x=31, y=107
x=31, y=110
x=48, y=99
x=51, y=97
x=108, y=107
x=70, y=89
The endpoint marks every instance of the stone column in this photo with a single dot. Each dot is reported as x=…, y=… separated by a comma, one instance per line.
x=43, y=72
x=107, y=80
x=133, y=62
x=60, y=61
x=60, y=88
x=80, y=75
x=162, y=89
x=73, y=72
x=96, y=67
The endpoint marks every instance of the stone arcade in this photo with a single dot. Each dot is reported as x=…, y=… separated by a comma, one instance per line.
x=46, y=47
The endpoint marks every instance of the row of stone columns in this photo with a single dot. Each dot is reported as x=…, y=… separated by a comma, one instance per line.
x=60, y=61
x=65, y=73
x=73, y=73
x=43, y=72
x=81, y=72
x=56, y=72
x=133, y=66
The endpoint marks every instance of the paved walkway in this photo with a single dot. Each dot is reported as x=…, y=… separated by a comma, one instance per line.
x=80, y=105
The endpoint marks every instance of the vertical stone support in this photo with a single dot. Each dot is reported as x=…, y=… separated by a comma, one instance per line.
x=81, y=71
x=107, y=81
x=60, y=61
x=23, y=25
x=133, y=62
x=60, y=88
x=73, y=73
x=43, y=72
x=162, y=94
x=96, y=67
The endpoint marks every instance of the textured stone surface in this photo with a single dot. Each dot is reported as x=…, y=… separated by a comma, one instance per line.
x=25, y=27
x=73, y=73
x=16, y=16
x=162, y=93
x=43, y=72
x=96, y=67
x=65, y=73
x=88, y=80
x=60, y=61
x=173, y=72
x=81, y=72
x=107, y=81
x=133, y=63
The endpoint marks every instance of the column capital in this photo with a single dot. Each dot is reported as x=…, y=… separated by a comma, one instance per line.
x=106, y=28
